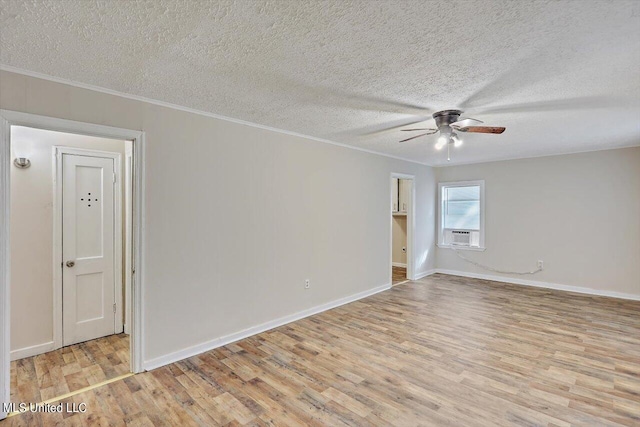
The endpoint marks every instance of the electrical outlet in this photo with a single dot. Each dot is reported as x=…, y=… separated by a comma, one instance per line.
x=307, y=284
x=540, y=264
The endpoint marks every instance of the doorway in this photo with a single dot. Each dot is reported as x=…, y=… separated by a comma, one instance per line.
x=66, y=206
x=70, y=332
x=402, y=208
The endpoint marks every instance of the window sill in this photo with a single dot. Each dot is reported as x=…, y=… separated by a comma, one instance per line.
x=462, y=248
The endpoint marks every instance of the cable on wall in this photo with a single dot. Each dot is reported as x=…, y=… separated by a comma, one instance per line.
x=477, y=264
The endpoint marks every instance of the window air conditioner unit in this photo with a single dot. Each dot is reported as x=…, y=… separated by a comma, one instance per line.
x=460, y=238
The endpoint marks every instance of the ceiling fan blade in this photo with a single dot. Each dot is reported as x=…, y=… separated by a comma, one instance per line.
x=411, y=130
x=462, y=122
x=414, y=137
x=481, y=129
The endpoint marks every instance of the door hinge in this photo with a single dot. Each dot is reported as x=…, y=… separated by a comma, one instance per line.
x=114, y=177
x=114, y=307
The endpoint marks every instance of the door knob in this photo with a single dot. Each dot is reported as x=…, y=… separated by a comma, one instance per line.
x=71, y=263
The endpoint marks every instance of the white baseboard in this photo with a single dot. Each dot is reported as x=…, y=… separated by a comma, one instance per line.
x=399, y=264
x=425, y=274
x=537, y=284
x=228, y=339
x=21, y=353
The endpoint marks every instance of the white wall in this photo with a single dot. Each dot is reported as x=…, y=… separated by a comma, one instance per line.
x=579, y=213
x=238, y=217
x=399, y=239
x=32, y=231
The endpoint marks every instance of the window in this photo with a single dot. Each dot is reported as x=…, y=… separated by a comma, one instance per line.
x=461, y=214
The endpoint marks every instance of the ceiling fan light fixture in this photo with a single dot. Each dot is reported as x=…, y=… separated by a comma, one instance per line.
x=448, y=123
x=442, y=141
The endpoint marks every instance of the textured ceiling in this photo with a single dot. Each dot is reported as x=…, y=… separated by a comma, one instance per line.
x=562, y=76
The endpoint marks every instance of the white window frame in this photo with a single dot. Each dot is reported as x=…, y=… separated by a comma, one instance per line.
x=442, y=185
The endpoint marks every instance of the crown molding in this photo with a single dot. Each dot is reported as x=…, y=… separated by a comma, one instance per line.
x=34, y=74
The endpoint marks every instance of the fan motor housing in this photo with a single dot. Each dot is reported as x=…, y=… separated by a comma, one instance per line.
x=445, y=117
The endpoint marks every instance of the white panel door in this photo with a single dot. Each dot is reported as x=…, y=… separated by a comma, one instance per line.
x=88, y=278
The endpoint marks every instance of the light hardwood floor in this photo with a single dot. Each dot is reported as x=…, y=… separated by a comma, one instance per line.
x=398, y=274
x=443, y=351
x=38, y=378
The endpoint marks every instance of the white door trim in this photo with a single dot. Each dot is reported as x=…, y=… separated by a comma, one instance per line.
x=58, y=151
x=5, y=263
x=128, y=165
x=411, y=226
x=13, y=118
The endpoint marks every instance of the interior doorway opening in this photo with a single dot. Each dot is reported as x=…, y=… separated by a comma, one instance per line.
x=72, y=257
x=402, y=208
x=68, y=296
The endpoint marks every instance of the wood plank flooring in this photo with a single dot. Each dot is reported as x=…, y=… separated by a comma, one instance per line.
x=38, y=378
x=398, y=274
x=443, y=351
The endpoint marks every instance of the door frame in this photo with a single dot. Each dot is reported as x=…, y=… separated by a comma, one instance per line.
x=127, y=198
x=411, y=226
x=10, y=118
x=58, y=152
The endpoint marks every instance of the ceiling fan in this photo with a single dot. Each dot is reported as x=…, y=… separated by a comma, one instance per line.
x=448, y=122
